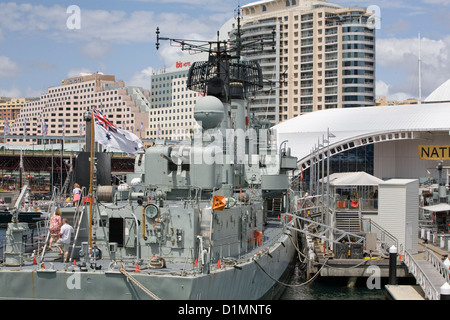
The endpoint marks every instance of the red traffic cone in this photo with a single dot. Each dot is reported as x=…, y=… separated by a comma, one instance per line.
x=218, y=264
x=74, y=262
x=34, y=261
x=137, y=268
x=196, y=263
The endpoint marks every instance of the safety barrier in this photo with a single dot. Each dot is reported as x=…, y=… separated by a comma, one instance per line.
x=430, y=290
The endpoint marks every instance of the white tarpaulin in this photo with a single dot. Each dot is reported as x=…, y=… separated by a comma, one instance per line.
x=353, y=179
x=438, y=207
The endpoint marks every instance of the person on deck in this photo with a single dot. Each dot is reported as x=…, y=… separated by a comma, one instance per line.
x=64, y=242
x=54, y=227
x=76, y=194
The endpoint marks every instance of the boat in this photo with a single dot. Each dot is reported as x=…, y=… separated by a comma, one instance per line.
x=199, y=221
x=28, y=217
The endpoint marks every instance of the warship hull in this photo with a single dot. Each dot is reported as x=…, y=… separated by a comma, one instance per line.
x=260, y=277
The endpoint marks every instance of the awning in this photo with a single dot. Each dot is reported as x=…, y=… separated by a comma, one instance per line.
x=353, y=179
x=438, y=207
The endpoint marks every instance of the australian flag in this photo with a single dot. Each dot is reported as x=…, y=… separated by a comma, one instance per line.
x=110, y=135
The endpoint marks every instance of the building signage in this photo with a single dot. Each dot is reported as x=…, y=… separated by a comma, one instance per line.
x=434, y=152
x=180, y=64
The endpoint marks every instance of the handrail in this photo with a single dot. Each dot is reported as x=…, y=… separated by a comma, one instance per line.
x=431, y=292
x=78, y=217
x=437, y=263
x=326, y=229
x=51, y=212
x=382, y=232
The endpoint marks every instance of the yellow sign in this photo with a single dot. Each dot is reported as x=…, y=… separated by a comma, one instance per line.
x=434, y=152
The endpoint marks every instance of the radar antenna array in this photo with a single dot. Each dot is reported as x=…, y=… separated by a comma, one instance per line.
x=224, y=67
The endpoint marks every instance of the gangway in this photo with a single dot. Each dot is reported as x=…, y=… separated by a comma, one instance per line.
x=430, y=273
x=326, y=230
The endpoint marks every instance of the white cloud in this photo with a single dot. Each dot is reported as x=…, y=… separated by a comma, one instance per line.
x=438, y=2
x=14, y=92
x=114, y=26
x=8, y=68
x=401, y=56
x=381, y=89
x=141, y=78
x=75, y=72
x=96, y=48
x=385, y=90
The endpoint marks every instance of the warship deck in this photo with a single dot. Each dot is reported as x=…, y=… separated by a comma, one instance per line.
x=53, y=260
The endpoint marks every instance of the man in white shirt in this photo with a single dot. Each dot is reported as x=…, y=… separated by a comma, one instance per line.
x=64, y=242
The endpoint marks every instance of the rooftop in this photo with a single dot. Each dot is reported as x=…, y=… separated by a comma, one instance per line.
x=441, y=94
x=304, y=132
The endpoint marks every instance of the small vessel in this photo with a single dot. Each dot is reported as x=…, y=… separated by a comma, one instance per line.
x=197, y=221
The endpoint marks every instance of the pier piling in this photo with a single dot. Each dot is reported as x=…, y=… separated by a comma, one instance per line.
x=393, y=265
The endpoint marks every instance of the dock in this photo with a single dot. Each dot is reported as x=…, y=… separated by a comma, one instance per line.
x=405, y=292
x=426, y=267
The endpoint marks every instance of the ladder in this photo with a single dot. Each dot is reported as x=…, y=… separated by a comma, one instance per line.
x=277, y=204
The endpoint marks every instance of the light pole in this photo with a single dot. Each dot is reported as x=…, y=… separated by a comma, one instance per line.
x=329, y=135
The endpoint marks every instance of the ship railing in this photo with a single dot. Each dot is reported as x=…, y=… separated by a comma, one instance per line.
x=51, y=212
x=3, y=246
x=224, y=249
x=77, y=219
x=32, y=240
x=36, y=236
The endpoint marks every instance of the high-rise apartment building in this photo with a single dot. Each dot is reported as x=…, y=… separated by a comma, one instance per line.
x=323, y=57
x=60, y=111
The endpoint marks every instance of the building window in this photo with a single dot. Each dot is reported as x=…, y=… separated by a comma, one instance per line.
x=264, y=8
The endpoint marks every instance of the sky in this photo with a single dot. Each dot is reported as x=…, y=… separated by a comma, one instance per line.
x=44, y=42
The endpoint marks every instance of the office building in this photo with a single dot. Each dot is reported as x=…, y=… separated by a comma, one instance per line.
x=172, y=113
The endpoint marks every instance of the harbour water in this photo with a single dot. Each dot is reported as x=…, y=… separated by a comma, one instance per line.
x=330, y=289
x=320, y=289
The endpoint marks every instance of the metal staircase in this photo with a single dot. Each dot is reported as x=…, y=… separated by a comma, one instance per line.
x=348, y=221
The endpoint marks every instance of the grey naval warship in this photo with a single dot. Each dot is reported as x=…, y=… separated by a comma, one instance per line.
x=197, y=221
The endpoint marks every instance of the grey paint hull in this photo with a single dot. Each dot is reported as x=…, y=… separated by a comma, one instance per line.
x=251, y=281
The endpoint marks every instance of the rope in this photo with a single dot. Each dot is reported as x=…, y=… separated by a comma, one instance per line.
x=138, y=284
x=292, y=285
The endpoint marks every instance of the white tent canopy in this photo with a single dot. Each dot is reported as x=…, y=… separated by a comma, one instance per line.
x=353, y=179
x=438, y=207
x=306, y=131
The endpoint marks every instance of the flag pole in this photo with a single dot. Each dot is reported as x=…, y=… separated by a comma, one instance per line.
x=91, y=179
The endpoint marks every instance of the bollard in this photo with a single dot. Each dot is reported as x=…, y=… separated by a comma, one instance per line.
x=393, y=265
x=445, y=291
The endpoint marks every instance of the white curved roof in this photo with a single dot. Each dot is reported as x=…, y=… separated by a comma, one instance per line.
x=308, y=130
x=441, y=94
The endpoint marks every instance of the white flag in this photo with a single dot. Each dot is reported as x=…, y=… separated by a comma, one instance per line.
x=109, y=135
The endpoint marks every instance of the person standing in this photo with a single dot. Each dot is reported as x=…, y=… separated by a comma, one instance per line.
x=76, y=193
x=54, y=227
x=64, y=242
